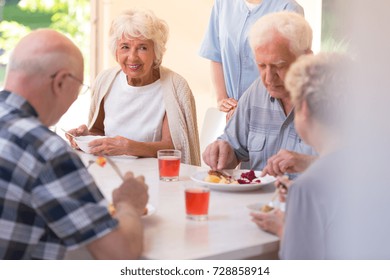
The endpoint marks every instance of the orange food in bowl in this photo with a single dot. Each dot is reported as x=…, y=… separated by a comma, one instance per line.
x=266, y=208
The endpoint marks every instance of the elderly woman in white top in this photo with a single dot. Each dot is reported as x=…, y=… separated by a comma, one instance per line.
x=141, y=106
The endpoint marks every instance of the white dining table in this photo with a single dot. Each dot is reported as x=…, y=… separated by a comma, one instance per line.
x=228, y=233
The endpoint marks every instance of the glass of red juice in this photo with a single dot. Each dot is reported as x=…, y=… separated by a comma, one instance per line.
x=169, y=164
x=197, y=203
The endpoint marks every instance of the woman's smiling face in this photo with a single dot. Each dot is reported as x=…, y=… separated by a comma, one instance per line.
x=136, y=57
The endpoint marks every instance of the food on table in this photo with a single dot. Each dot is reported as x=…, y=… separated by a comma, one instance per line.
x=218, y=177
x=266, y=208
x=101, y=161
x=212, y=179
x=248, y=178
x=214, y=176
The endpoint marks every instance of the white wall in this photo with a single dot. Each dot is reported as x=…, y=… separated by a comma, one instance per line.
x=313, y=14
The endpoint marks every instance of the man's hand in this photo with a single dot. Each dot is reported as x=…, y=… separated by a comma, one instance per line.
x=125, y=241
x=220, y=155
x=132, y=192
x=287, y=162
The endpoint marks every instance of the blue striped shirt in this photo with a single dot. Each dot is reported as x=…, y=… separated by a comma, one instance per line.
x=259, y=128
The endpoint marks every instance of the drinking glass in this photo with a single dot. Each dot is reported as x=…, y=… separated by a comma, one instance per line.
x=197, y=203
x=169, y=164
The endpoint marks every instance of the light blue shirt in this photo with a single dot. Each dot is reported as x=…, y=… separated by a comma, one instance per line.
x=259, y=128
x=226, y=39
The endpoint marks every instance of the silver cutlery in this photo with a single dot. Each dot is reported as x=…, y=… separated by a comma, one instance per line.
x=110, y=162
x=67, y=133
x=115, y=167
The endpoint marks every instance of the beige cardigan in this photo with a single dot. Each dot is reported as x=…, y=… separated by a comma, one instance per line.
x=179, y=104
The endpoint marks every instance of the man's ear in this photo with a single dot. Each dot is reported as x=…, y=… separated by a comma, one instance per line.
x=58, y=81
x=309, y=51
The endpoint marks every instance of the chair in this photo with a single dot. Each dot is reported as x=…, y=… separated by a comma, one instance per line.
x=213, y=125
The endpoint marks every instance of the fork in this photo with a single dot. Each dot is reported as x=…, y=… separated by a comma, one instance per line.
x=113, y=165
x=67, y=133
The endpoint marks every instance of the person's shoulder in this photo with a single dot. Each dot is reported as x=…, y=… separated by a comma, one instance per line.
x=255, y=91
x=169, y=73
x=321, y=174
x=53, y=143
x=39, y=140
x=292, y=5
x=113, y=71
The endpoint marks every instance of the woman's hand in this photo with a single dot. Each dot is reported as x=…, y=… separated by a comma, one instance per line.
x=287, y=162
x=272, y=222
x=110, y=146
x=283, y=183
x=227, y=104
x=82, y=130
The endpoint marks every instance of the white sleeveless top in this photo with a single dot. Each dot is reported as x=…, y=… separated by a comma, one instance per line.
x=134, y=112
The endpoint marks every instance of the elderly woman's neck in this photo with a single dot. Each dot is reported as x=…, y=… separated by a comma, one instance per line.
x=139, y=82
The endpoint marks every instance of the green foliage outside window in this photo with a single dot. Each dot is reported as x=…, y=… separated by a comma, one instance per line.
x=71, y=17
x=332, y=36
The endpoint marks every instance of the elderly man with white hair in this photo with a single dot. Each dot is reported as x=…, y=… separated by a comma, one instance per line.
x=262, y=129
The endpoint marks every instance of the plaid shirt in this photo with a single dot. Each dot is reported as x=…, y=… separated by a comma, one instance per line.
x=48, y=201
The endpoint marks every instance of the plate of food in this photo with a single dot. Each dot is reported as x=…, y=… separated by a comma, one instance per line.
x=148, y=211
x=123, y=157
x=232, y=180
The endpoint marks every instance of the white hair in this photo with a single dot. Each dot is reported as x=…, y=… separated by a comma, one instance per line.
x=289, y=25
x=140, y=23
x=322, y=81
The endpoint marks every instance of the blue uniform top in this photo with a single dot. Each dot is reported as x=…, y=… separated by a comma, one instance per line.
x=226, y=39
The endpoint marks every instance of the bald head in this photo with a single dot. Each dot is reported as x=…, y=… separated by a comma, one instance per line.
x=40, y=70
x=45, y=50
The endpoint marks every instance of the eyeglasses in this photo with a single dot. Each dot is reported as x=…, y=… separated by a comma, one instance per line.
x=83, y=87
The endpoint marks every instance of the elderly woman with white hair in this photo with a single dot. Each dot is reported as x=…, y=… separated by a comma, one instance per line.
x=316, y=224
x=140, y=105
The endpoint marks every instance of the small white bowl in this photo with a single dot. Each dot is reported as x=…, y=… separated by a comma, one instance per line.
x=256, y=207
x=83, y=141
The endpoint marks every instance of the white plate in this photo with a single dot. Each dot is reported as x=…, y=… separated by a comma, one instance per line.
x=123, y=157
x=199, y=178
x=150, y=207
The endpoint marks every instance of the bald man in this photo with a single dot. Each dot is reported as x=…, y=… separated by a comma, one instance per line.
x=49, y=203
